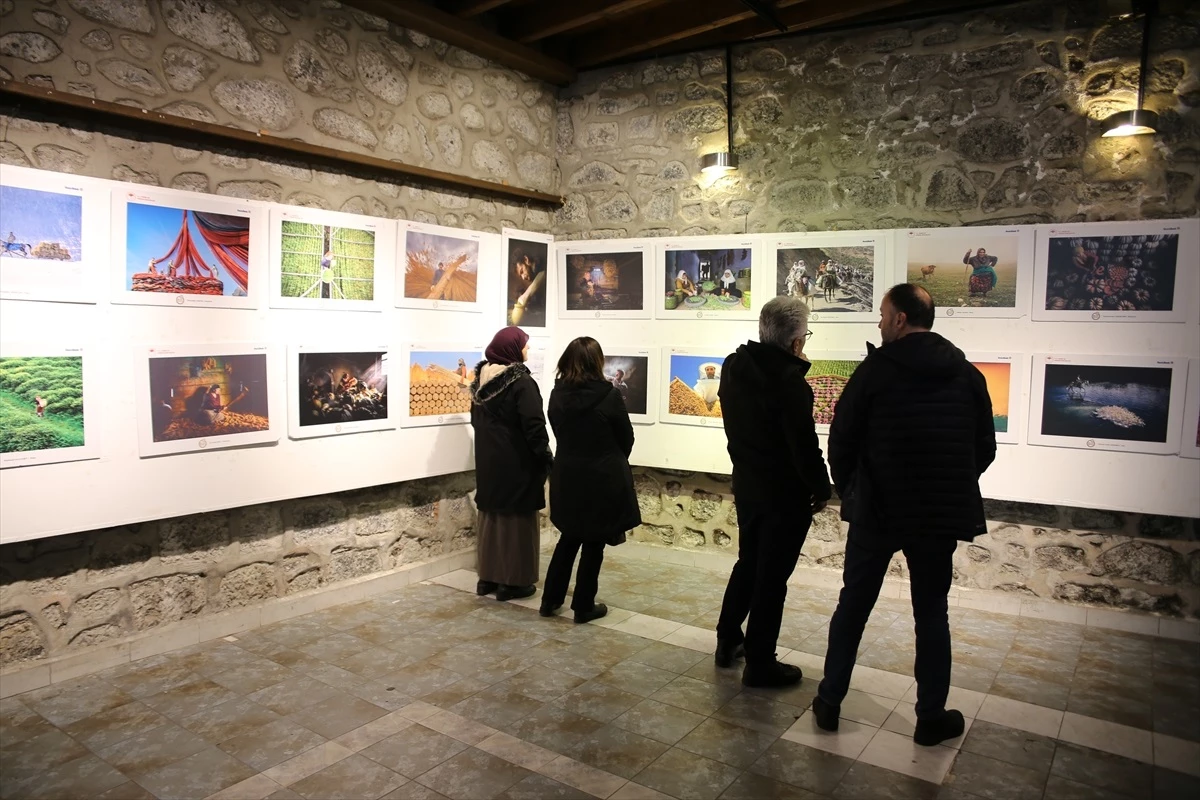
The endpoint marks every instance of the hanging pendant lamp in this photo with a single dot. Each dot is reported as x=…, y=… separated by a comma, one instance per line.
x=723, y=161
x=1139, y=121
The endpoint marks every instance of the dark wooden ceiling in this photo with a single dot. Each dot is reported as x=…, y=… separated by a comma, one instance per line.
x=554, y=39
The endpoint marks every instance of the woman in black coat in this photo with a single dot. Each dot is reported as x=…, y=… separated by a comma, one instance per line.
x=512, y=458
x=592, y=499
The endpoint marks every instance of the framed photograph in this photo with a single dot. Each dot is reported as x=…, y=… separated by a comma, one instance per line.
x=970, y=272
x=605, y=280
x=1125, y=403
x=692, y=377
x=842, y=276
x=204, y=397
x=707, y=277
x=336, y=391
x=437, y=383
x=1116, y=271
x=53, y=236
x=175, y=248
x=1004, y=375
x=328, y=260
x=634, y=373
x=1190, y=447
x=827, y=377
x=48, y=398
x=438, y=267
x=527, y=278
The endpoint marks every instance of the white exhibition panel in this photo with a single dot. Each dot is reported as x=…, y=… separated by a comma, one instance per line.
x=1190, y=447
x=123, y=487
x=307, y=368
x=322, y=286
x=921, y=252
x=70, y=214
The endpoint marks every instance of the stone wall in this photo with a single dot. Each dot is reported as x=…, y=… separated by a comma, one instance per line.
x=62, y=594
x=989, y=117
x=1075, y=555
x=313, y=70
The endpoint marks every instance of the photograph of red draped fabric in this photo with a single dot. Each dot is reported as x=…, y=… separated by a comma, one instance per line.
x=183, y=251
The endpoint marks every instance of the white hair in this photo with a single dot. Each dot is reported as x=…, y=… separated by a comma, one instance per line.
x=782, y=321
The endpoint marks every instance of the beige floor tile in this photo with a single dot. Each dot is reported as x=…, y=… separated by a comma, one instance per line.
x=880, y=682
x=867, y=709
x=648, y=627
x=253, y=788
x=515, y=751
x=849, y=741
x=1177, y=754
x=900, y=754
x=307, y=763
x=1022, y=716
x=595, y=782
x=1110, y=737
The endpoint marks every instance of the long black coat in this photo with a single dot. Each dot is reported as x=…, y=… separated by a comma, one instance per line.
x=910, y=437
x=591, y=486
x=767, y=410
x=512, y=448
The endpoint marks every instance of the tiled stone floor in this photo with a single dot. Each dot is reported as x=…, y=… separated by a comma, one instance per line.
x=432, y=692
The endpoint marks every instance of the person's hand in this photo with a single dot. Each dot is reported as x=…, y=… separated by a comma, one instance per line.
x=818, y=505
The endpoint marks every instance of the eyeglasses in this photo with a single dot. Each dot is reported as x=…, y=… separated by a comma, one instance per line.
x=808, y=334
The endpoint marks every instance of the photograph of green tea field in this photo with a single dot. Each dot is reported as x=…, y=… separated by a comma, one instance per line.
x=324, y=262
x=41, y=403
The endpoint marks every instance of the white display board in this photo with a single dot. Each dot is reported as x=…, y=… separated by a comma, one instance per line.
x=1005, y=376
x=708, y=278
x=337, y=390
x=635, y=373
x=982, y=271
x=53, y=235
x=528, y=281
x=1117, y=271
x=177, y=248
x=841, y=275
x=605, y=279
x=435, y=381
x=221, y=244
x=440, y=268
x=1130, y=404
x=49, y=403
x=330, y=260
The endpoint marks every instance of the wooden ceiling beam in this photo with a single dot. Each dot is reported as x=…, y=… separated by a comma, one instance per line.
x=470, y=36
x=663, y=27
x=473, y=8
x=806, y=16
x=533, y=26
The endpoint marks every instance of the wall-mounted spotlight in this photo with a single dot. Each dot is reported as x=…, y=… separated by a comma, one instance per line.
x=723, y=161
x=1139, y=121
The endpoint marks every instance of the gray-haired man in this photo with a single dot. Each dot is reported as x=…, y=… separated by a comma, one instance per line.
x=779, y=482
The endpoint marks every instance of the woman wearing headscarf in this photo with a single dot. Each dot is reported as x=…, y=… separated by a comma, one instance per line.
x=592, y=499
x=512, y=460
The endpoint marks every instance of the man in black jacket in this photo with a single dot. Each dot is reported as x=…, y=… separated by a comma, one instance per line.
x=779, y=482
x=910, y=437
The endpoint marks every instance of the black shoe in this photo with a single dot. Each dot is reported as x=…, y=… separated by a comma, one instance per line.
x=771, y=675
x=597, y=611
x=727, y=653
x=826, y=714
x=485, y=587
x=515, y=592
x=935, y=730
x=548, y=610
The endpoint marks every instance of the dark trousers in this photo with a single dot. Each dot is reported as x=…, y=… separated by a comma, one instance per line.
x=768, y=546
x=558, y=574
x=931, y=567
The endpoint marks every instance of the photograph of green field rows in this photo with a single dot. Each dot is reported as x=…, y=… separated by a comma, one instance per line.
x=41, y=403
x=965, y=270
x=325, y=262
x=827, y=380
